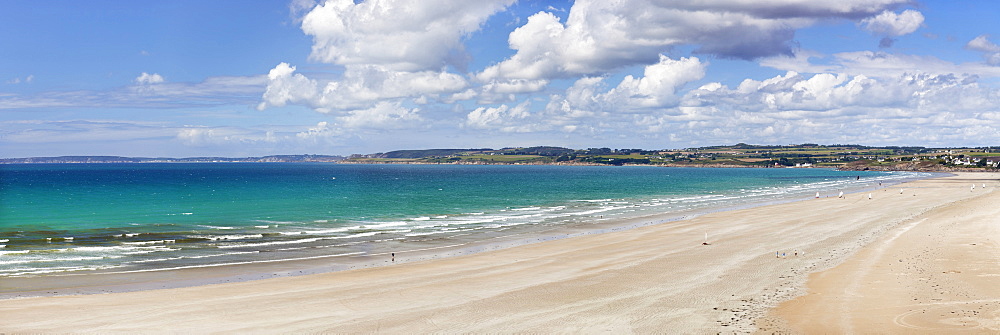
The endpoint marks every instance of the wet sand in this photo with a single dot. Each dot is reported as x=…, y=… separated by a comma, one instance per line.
x=657, y=278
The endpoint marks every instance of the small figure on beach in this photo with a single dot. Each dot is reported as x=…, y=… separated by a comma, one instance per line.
x=841, y=195
x=869, y=196
x=394, y=257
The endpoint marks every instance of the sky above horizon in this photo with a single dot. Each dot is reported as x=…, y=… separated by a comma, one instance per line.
x=250, y=78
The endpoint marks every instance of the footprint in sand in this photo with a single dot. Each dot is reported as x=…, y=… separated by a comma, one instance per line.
x=951, y=316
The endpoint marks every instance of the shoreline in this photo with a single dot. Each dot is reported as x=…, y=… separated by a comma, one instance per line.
x=641, y=279
x=111, y=281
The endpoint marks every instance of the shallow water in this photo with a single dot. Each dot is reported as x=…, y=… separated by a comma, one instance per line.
x=58, y=219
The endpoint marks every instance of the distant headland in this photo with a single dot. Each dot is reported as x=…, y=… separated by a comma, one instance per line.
x=119, y=159
x=845, y=157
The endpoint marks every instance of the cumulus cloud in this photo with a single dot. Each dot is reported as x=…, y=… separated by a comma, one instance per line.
x=657, y=88
x=891, y=24
x=323, y=132
x=284, y=86
x=888, y=24
x=384, y=115
x=503, y=118
x=360, y=87
x=833, y=108
x=148, y=79
x=391, y=51
x=397, y=34
x=600, y=36
x=659, y=84
x=990, y=50
x=874, y=64
x=398, y=55
x=897, y=109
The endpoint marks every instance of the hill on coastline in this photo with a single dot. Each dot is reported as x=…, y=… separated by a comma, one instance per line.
x=848, y=157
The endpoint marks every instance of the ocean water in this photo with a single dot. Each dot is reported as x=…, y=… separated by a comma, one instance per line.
x=58, y=219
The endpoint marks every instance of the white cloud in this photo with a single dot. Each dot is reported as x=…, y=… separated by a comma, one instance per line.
x=384, y=115
x=464, y=95
x=18, y=80
x=982, y=43
x=891, y=24
x=77, y=131
x=360, y=87
x=600, y=36
x=657, y=88
x=658, y=85
x=284, y=86
x=149, y=79
x=874, y=64
x=151, y=93
x=323, y=132
x=503, y=118
x=835, y=108
x=400, y=35
x=990, y=50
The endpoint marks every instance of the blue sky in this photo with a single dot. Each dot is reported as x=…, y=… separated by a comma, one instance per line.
x=247, y=78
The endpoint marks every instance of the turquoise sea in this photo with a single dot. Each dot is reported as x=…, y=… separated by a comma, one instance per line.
x=58, y=219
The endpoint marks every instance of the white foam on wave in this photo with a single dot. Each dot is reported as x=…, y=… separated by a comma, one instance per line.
x=425, y=233
x=147, y=250
x=144, y=243
x=599, y=210
x=191, y=257
x=296, y=241
x=597, y=200
x=317, y=231
x=218, y=227
x=276, y=222
x=61, y=259
x=227, y=237
x=16, y=272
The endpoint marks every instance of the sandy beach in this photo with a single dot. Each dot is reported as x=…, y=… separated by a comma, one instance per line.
x=938, y=273
x=916, y=257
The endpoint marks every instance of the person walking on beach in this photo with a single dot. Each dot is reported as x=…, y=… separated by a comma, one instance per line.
x=394, y=257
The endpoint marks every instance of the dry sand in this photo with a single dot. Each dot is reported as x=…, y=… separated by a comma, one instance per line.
x=938, y=273
x=655, y=278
